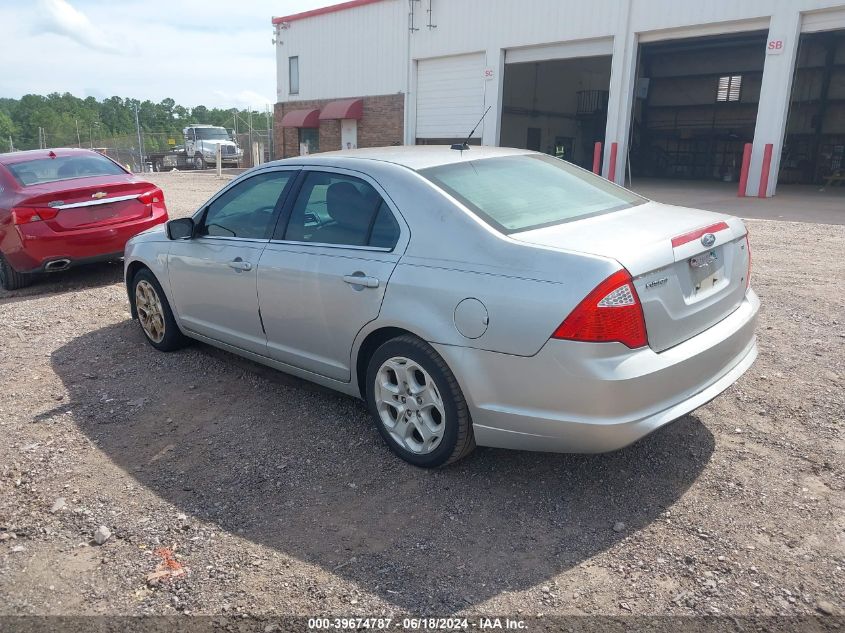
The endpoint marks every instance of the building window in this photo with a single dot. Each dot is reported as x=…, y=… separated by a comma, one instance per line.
x=293, y=75
x=309, y=140
x=729, y=88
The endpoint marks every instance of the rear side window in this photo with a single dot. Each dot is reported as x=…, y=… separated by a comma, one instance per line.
x=343, y=210
x=41, y=170
x=519, y=193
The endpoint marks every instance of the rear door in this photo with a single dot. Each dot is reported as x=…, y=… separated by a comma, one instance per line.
x=214, y=275
x=324, y=274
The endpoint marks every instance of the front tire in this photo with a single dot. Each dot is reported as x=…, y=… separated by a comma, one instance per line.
x=154, y=314
x=10, y=279
x=199, y=162
x=417, y=404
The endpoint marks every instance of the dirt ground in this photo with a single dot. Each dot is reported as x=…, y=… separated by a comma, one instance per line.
x=278, y=497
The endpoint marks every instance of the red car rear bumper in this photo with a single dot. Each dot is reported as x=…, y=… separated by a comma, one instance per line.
x=30, y=247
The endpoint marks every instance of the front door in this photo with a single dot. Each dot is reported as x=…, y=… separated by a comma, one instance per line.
x=324, y=274
x=213, y=275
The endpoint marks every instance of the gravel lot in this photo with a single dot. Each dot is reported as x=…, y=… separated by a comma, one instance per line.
x=277, y=497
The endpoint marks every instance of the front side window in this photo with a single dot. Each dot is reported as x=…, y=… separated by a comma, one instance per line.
x=41, y=170
x=293, y=75
x=519, y=193
x=247, y=210
x=343, y=210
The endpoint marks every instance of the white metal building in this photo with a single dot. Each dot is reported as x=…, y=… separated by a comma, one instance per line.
x=678, y=86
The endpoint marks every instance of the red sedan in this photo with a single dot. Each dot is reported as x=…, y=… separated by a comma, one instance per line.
x=63, y=207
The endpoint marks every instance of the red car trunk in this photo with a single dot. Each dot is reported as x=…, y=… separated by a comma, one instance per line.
x=91, y=202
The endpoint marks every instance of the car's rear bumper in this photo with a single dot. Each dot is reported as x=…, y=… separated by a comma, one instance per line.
x=36, y=244
x=597, y=397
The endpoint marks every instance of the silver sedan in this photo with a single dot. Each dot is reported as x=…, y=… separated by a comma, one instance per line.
x=489, y=296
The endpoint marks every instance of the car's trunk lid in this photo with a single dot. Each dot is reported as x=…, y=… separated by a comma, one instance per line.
x=684, y=285
x=90, y=202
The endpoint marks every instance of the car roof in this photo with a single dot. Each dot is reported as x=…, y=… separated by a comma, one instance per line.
x=34, y=154
x=414, y=157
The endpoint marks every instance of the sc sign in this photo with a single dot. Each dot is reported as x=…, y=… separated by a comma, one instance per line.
x=774, y=47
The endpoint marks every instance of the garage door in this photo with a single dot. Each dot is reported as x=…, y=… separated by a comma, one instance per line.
x=450, y=96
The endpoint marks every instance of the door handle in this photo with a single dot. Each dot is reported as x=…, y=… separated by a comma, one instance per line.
x=361, y=280
x=239, y=264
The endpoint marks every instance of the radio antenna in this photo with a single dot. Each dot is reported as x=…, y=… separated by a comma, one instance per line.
x=465, y=145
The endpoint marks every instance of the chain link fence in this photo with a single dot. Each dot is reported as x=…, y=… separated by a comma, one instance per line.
x=124, y=148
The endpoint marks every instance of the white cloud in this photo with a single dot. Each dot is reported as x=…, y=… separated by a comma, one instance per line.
x=59, y=17
x=242, y=99
x=211, y=52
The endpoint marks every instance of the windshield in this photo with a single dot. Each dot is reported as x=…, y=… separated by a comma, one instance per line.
x=212, y=134
x=518, y=193
x=41, y=170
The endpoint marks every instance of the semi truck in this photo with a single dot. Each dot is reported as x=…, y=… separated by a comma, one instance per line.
x=199, y=150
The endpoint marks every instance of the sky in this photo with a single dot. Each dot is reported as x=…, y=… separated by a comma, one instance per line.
x=217, y=53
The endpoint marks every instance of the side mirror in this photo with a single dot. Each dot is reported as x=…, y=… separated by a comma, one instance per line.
x=180, y=229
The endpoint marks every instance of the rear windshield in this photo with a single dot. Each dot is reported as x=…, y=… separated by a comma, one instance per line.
x=518, y=193
x=41, y=170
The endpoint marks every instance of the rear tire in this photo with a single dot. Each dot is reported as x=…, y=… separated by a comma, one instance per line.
x=154, y=314
x=417, y=404
x=10, y=279
x=157, y=165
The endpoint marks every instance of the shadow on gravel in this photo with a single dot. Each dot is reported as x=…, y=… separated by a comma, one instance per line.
x=79, y=278
x=303, y=471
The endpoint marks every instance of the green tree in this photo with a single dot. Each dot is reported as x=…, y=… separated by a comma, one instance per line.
x=7, y=129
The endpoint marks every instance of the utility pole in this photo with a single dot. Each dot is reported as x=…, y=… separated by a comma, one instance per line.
x=11, y=145
x=78, y=141
x=249, y=122
x=269, y=135
x=140, y=148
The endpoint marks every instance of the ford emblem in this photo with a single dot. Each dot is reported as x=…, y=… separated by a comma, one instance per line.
x=707, y=240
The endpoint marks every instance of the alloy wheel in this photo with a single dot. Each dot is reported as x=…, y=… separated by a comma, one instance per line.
x=150, y=312
x=410, y=405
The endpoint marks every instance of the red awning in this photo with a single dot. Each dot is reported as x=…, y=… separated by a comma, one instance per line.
x=345, y=109
x=302, y=118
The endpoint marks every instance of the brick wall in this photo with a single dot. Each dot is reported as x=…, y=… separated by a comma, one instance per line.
x=381, y=124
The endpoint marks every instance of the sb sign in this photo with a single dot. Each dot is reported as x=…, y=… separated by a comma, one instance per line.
x=774, y=47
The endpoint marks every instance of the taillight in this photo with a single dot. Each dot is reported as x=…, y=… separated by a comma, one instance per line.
x=153, y=196
x=748, y=272
x=25, y=215
x=611, y=312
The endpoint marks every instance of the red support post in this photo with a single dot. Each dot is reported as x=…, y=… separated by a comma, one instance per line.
x=614, y=148
x=764, y=174
x=597, y=158
x=743, y=172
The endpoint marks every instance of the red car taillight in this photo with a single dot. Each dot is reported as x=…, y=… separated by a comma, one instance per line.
x=748, y=272
x=153, y=198
x=25, y=215
x=611, y=312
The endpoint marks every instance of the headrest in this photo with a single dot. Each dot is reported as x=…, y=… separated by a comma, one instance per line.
x=346, y=205
x=26, y=177
x=67, y=170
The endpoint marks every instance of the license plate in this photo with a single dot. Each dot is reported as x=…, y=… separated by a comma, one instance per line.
x=703, y=260
x=706, y=271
